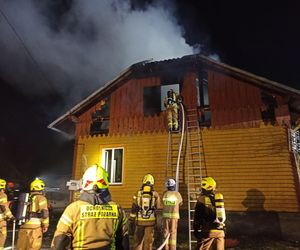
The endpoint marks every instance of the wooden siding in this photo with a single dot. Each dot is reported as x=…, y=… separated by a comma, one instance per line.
x=142, y=154
x=251, y=166
x=232, y=101
x=189, y=91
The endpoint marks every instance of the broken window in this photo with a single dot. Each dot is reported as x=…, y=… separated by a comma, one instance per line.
x=268, y=109
x=100, y=119
x=152, y=101
x=203, y=98
x=112, y=161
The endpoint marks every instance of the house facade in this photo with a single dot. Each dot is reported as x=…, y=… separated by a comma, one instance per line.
x=243, y=123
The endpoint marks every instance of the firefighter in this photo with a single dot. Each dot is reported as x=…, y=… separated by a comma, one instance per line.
x=94, y=221
x=143, y=214
x=5, y=213
x=209, y=217
x=172, y=200
x=171, y=103
x=37, y=218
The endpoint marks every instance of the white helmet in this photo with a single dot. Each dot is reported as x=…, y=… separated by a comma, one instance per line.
x=170, y=183
x=95, y=175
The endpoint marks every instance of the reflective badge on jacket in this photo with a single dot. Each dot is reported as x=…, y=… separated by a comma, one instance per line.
x=170, y=201
x=99, y=211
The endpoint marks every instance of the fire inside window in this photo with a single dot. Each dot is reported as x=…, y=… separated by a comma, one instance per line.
x=112, y=161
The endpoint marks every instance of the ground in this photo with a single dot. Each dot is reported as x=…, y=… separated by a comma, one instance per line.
x=241, y=243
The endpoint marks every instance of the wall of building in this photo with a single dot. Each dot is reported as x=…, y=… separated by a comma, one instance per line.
x=252, y=166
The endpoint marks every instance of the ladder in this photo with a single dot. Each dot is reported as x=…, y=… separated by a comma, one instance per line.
x=174, y=159
x=194, y=167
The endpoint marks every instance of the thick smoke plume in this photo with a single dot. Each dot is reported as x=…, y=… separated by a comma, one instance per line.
x=76, y=51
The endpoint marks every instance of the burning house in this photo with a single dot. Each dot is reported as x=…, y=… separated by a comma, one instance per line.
x=237, y=130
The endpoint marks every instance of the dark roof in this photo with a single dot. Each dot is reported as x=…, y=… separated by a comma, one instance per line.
x=152, y=67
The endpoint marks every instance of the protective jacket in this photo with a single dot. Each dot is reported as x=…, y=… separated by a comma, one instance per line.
x=5, y=214
x=37, y=212
x=171, y=103
x=91, y=224
x=171, y=201
x=30, y=235
x=207, y=219
x=144, y=206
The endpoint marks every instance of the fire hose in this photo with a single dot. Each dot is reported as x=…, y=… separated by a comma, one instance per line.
x=164, y=243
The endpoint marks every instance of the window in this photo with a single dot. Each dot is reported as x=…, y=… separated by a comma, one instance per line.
x=100, y=118
x=112, y=161
x=268, y=109
x=151, y=100
x=203, y=98
x=203, y=89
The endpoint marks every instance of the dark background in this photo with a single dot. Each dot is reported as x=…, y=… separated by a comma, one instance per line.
x=260, y=37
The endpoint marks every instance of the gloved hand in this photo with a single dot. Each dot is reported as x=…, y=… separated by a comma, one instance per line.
x=44, y=229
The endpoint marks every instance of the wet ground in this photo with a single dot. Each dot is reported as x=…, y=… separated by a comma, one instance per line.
x=241, y=243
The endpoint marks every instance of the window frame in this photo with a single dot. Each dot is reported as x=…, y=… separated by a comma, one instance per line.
x=113, y=169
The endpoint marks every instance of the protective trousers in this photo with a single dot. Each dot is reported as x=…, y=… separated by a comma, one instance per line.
x=170, y=227
x=3, y=234
x=172, y=116
x=215, y=239
x=30, y=239
x=143, y=237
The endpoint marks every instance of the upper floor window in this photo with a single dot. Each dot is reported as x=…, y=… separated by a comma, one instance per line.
x=203, y=98
x=100, y=118
x=152, y=100
x=112, y=161
x=269, y=105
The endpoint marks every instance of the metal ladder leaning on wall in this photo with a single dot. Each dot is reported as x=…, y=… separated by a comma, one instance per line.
x=194, y=167
x=174, y=159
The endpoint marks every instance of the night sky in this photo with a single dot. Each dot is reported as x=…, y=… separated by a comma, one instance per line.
x=54, y=53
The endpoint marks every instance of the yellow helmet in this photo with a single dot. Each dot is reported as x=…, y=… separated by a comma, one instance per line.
x=208, y=183
x=95, y=175
x=2, y=184
x=148, y=179
x=37, y=185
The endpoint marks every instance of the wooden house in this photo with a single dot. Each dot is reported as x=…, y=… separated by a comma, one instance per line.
x=242, y=124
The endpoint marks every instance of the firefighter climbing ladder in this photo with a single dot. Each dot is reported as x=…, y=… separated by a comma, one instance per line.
x=194, y=168
x=175, y=142
x=194, y=160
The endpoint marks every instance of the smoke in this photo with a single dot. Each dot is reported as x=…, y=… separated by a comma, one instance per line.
x=74, y=50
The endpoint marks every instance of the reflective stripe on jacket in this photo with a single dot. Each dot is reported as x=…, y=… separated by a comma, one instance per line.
x=92, y=227
x=171, y=202
x=38, y=212
x=5, y=212
x=141, y=217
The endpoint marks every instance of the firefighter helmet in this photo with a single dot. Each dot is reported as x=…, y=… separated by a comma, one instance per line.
x=95, y=175
x=170, y=183
x=148, y=179
x=208, y=183
x=2, y=184
x=37, y=185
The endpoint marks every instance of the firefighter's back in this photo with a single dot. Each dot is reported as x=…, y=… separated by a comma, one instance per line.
x=91, y=226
